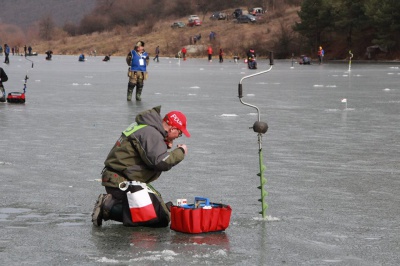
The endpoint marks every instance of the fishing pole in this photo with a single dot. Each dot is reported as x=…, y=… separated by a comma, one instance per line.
x=26, y=75
x=351, y=56
x=18, y=97
x=260, y=128
x=29, y=61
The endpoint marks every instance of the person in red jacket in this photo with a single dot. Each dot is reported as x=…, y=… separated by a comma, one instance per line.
x=209, y=52
x=184, y=51
x=321, y=54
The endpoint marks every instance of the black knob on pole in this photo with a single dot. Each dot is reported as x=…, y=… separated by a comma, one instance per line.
x=260, y=127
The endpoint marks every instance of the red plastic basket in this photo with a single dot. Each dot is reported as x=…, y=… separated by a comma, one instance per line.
x=193, y=219
x=16, y=97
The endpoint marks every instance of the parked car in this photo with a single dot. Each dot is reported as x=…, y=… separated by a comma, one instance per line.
x=218, y=16
x=194, y=22
x=238, y=12
x=256, y=10
x=178, y=24
x=246, y=19
x=193, y=17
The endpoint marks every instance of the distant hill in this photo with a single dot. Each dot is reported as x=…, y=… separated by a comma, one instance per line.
x=24, y=13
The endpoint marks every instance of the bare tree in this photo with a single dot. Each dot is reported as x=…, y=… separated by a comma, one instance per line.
x=71, y=28
x=46, y=27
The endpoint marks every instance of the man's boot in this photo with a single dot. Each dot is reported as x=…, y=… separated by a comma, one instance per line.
x=112, y=209
x=131, y=87
x=139, y=93
x=102, y=209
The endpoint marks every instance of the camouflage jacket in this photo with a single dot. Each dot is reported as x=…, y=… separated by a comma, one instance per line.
x=140, y=154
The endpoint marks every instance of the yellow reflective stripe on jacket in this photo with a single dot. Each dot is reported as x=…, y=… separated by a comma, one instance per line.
x=132, y=128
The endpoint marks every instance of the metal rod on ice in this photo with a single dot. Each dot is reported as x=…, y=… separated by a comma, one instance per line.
x=260, y=128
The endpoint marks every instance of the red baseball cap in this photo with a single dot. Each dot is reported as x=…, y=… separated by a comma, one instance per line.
x=178, y=120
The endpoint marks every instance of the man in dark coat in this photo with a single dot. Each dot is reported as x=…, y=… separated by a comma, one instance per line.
x=140, y=154
x=3, y=78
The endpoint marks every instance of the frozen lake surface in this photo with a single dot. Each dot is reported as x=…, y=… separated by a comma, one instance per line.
x=333, y=172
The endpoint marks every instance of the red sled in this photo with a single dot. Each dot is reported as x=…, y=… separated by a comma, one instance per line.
x=201, y=217
x=16, y=97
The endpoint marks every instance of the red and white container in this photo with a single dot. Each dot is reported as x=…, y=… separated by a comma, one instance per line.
x=200, y=217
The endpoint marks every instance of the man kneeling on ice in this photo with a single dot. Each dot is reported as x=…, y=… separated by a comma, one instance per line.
x=139, y=157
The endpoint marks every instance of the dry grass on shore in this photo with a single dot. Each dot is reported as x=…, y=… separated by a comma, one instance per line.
x=232, y=37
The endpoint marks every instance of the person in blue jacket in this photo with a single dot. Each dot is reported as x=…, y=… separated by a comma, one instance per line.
x=6, y=53
x=81, y=58
x=137, y=72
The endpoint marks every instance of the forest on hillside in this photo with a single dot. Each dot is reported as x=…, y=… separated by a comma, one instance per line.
x=354, y=23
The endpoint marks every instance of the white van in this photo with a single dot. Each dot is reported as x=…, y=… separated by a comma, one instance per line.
x=256, y=10
x=193, y=17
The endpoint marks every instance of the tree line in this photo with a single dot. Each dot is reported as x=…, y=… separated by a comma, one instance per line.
x=359, y=23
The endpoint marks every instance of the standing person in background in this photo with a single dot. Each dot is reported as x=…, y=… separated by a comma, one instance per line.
x=221, y=55
x=3, y=78
x=321, y=54
x=209, y=52
x=157, y=54
x=25, y=50
x=30, y=50
x=139, y=59
x=6, y=53
x=184, y=51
